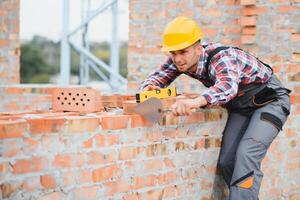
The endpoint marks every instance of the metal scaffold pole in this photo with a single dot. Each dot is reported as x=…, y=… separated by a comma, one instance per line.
x=65, y=59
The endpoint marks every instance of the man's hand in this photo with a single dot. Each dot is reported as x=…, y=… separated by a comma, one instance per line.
x=185, y=106
x=151, y=87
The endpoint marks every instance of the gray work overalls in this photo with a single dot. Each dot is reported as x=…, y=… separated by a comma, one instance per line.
x=255, y=118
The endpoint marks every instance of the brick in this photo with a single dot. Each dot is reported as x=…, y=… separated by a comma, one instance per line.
x=4, y=43
x=31, y=184
x=153, y=194
x=85, y=176
x=248, y=21
x=82, y=124
x=286, y=9
x=249, y=30
x=127, y=153
x=63, y=161
x=212, y=12
x=156, y=149
x=209, y=32
x=248, y=39
x=248, y=2
x=30, y=165
x=86, y=192
x=167, y=177
x=48, y=181
x=52, y=125
x=12, y=129
x=139, y=121
x=51, y=196
x=117, y=187
x=153, y=164
x=69, y=178
x=296, y=57
x=105, y=173
x=88, y=143
x=144, y=181
x=169, y=192
x=295, y=37
x=114, y=122
x=135, y=196
x=77, y=99
x=195, y=117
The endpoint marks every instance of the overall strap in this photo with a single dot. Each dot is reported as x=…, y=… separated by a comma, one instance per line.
x=218, y=49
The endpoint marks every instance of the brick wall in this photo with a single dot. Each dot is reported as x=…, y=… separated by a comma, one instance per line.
x=9, y=42
x=269, y=29
x=102, y=155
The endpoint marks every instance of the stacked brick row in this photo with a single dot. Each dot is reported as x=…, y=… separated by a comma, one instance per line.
x=54, y=155
x=9, y=42
x=107, y=155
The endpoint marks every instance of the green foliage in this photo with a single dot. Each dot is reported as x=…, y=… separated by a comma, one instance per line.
x=40, y=59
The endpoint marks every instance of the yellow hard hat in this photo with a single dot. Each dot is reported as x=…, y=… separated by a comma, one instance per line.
x=180, y=33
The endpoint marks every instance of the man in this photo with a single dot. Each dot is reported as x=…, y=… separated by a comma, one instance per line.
x=257, y=103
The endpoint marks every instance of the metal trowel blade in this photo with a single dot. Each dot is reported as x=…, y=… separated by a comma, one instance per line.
x=150, y=109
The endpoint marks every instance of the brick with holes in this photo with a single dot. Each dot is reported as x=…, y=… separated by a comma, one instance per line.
x=76, y=99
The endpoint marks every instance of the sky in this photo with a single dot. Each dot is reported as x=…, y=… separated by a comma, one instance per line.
x=44, y=17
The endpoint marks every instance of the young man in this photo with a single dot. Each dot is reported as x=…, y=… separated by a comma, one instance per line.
x=257, y=103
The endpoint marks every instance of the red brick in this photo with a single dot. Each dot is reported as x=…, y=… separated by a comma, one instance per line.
x=248, y=21
x=167, y=177
x=85, y=176
x=287, y=9
x=135, y=196
x=48, y=181
x=113, y=122
x=31, y=184
x=12, y=129
x=248, y=39
x=52, y=196
x=127, y=153
x=153, y=194
x=209, y=32
x=139, y=121
x=195, y=117
x=30, y=165
x=248, y=30
x=145, y=181
x=63, y=161
x=52, y=125
x=69, y=178
x=248, y=2
x=295, y=37
x=153, y=164
x=105, y=173
x=212, y=12
x=88, y=143
x=296, y=57
x=117, y=187
x=77, y=99
x=4, y=43
x=86, y=192
x=82, y=124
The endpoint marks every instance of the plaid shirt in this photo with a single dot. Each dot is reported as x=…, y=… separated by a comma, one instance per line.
x=226, y=71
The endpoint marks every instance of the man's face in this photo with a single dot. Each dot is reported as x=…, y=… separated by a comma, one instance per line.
x=186, y=59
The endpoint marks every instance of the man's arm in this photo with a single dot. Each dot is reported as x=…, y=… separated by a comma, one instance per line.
x=162, y=77
x=225, y=88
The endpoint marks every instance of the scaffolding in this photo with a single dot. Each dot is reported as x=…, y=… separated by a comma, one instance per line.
x=87, y=59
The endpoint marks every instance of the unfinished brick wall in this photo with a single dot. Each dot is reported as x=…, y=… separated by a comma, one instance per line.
x=59, y=155
x=269, y=29
x=9, y=42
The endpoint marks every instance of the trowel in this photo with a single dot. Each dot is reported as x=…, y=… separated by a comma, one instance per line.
x=151, y=109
